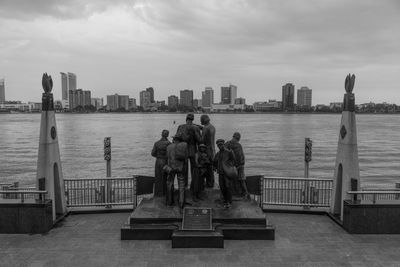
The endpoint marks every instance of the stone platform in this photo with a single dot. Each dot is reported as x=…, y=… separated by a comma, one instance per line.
x=28, y=217
x=152, y=220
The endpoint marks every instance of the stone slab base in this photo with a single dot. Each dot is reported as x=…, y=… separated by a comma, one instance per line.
x=147, y=231
x=247, y=232
x=197, y=239
x=30, y=217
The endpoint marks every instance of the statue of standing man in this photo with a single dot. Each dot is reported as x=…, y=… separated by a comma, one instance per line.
x=237, y=149
x=208, y=139
x=191, y=135
x=159, y=151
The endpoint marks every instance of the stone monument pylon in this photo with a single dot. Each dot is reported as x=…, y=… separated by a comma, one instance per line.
x=347, y=172
x=49, y=173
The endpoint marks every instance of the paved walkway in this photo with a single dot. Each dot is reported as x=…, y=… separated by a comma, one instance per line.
x=301, y=240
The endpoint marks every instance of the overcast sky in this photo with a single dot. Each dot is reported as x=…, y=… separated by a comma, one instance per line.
x=125, y=46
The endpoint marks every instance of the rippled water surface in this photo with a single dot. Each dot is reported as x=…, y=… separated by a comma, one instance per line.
x=273, y=143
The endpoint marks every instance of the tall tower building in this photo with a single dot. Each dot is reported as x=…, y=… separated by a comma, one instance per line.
x=78, y=98
x=145, y=99
x=173, y=102
x=71, y=81
x=2, y=91
x=64, y=86
x=123, y=101
x=228, y=94
x=288, y=96
x=304, y=97
x=151, y=91
x=112, y=102
x=186, y=98
x=207, y=97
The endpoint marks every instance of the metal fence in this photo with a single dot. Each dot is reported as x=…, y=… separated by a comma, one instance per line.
x=375, y=195
x=288, y=191
x=23, y=194
x=282, y=192
x=14, y=191
x=107, y=192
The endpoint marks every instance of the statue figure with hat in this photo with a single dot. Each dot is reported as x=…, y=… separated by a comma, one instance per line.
x=224, y=162
x=177, y=154
x=159, y=151
x=191, y=135
x=204, y=163
x=239, y=185
x=208, y=139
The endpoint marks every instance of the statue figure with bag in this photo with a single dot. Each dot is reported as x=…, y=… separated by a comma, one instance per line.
x=224, y=164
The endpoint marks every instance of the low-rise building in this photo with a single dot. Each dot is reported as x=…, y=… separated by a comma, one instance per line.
x=227, y=107
x=270, y=105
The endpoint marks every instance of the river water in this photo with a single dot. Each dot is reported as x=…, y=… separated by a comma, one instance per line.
x=273, y=143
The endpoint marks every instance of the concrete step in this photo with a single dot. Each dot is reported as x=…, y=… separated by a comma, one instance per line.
x=197, y=239
x=247, y=232
x=147, y=231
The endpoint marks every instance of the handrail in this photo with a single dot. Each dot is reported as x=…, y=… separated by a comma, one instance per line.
x=24, y=192
x=105, y=191
x=298, y=178
x=296, y=191
x=374, y=193
x=28, y=188
x=91, y=179
x=366, y=192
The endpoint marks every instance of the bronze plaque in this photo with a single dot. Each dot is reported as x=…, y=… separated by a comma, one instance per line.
x=197, y=219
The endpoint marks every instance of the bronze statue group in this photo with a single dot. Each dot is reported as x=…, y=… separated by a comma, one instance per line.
x=194, y=145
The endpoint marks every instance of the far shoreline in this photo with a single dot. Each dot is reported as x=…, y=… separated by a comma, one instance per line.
x=213, y=113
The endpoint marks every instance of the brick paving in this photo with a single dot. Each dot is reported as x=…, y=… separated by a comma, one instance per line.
x=301, y=240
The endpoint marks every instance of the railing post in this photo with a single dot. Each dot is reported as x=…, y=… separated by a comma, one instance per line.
x=134, y=192
x=354, y=187
x=397, y=186
x=261, y=201
x=107, y=158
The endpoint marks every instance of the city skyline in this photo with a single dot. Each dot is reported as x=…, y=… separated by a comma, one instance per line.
x=126, y=47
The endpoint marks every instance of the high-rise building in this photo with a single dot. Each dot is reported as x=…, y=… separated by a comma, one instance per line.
x=115, y=102
x=304, y=97
x=68, y=82
x=145, y=99
x=112, y=102
x=288, y=96
x=123, y=102
x=132, y=103
x=2, y=91
x=71, y=81
x=197, y=103
x=186, y=98
x=97, y=102
x=173, y=102
x=228, y=94
x=240, y=101
x=207, y=97
x=78, y=98
x=151, y=91
x=64, y=86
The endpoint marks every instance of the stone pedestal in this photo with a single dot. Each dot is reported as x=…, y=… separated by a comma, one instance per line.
x=49, y=172
x=347, y=164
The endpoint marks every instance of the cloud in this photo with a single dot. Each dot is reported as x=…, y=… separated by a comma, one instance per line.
x=258, y=45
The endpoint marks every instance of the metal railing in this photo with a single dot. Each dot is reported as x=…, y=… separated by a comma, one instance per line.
x=376, y=195
x=300, y=192
x=15, y=187
x=23, y=194
x=92, y=192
